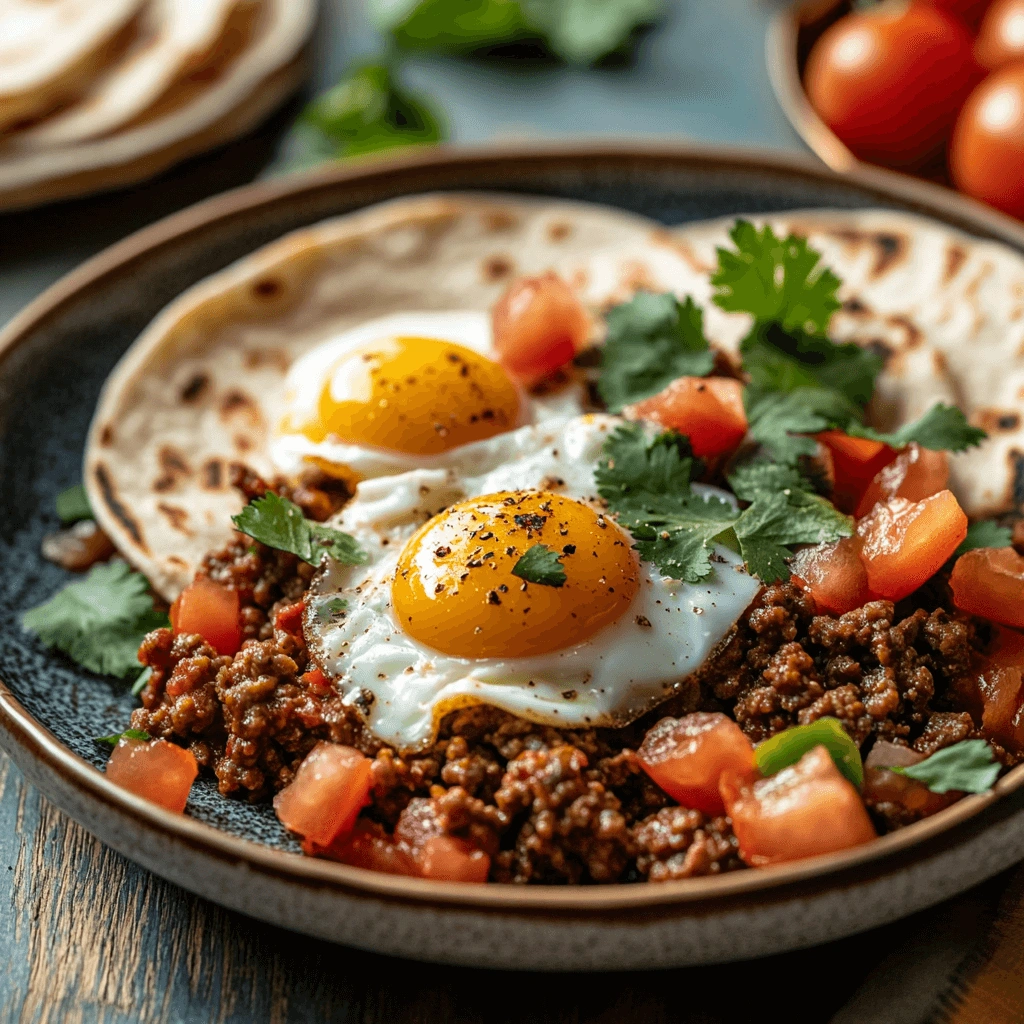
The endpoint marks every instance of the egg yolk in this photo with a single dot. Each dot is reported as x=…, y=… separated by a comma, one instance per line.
x=455, y=591
x=420, y=396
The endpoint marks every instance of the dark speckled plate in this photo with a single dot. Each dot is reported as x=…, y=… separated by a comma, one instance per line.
x=53, y=361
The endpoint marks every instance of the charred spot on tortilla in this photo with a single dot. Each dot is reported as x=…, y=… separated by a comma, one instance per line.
x=117, y=509
x=213, y=475
x=500, y=220
x=995, y=421
x=855, y=307
x=559, y=230
x=956, y=256
x=255, y=358
x=196, y=388
x=177, y=517
x=237, y=402
x=890, y=249
x=267, y=288
x=107, y=436
x=912, y=336
x=497, y=267
x=636, y=276
x=173, y=467
x=1016, y=460
x=175, y=560
x=242, y=444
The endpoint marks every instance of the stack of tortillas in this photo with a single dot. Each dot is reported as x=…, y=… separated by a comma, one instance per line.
x=100, y=93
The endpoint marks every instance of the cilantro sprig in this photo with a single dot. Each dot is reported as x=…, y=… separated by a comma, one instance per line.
x=139, y=735
x=985, y=534
x=279, y=523
x=647, y=485
x=541, y=564
x=73, y=505
x=968, y=767
x=99, y=621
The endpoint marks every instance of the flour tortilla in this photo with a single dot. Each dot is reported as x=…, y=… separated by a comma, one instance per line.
x=203, y=385
x=50, y=48
x=175, y=39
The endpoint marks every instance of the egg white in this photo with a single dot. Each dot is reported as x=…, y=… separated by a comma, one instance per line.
x=403, y=687
x=308, y=376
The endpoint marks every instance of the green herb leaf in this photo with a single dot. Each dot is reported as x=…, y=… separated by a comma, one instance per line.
x=129, y=734
x=331, y=607
x=651, y=340
x=968, y=767
x=73, y=505
x=985, y=534
x=540, y=564
x=760, y=478
x=781, y=420
x=941, y=428
x=99, y=621
x=140, y=684
x=279, y=523
x=787, y=747
x=584, y=31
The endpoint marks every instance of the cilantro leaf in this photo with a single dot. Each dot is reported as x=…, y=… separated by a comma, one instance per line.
x=584, y=31
x=780, y=420
x=752, y=480
x=129, y=734
x=775, y=280
x=542, y=565
x=968, y=766
x=279, y=523
x=73, y=505
x=99, y=621
x=652, y=340
x=985, y=534
x=941, y=428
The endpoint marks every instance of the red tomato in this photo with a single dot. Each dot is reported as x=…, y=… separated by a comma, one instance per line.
x=986, y=156
x=539, y=326
x=289, y=618
x=1000, y=685
x=907, y=542
x=436, y=855
x=329, y=790
x=708, y=410
x=914, y=474
x=834, y=575
x=969, y=11
x=317, y=680
x=1001, y=39
x=686, y=757
x=855, y=463
x=889, y=81
x=989, y=582
x=212, y=611
x=155, y=770
x=802, y=811
x=367, y=846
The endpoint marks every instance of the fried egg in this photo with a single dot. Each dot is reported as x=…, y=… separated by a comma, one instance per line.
x=400, y=392
x=436, y=620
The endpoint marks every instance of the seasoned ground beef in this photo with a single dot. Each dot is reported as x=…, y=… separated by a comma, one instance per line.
x=680, y=843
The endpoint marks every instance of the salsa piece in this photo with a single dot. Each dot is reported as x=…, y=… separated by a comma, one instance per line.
x=687, y=756
x=329, y=790
x=708, y=410
x=834, y=575
x=802, y=811
x=539, y=326
x=438, y=856
x=906, y=542
x=914, y=474
x=989, y=583
x=367, y=846
x=156, y=770
x=787, y=747
x=211, y=610
x=883, y=786
x=1000, y=690
x=855, y=463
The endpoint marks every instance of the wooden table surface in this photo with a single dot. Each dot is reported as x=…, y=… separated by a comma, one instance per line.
x=87, y=936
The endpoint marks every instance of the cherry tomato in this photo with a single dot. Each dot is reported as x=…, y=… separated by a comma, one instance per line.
x=968, y=11
x=914, y=474
x=708, y=410
x=212, y=611
x=539, y=326
x=834, y=575
x=989, y=582
x=329, y=790
x=855, y=463
x=889, y=81
x=686, y=757
x=986, y=155
x=801, y=811
x=155, y=770
x=906, y=542
x=1001, y=39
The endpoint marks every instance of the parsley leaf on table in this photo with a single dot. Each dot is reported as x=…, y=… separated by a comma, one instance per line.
x=968, y=766
x=99, y=621
x=540, y=564
x=985, y=534
x=651, y=340
x=73, y=505
x=279, y=523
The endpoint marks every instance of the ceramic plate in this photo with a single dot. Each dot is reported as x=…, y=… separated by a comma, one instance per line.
x=53, y=360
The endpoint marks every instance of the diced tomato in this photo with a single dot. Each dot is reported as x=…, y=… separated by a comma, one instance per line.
x=907, y=542
x=155, y=770
x=437, y=855
x=882, y=786
x=329, y=790
x=315, y=679
x=914, y=474
x=834, y=575
x=708, y=410
x=1000, y=690
x=539, y=326
x=212, y=611
x=687, y=756
x=289, y=618
x=989, y=582
x=802, y=811
x=855, y=461
x=367, y=846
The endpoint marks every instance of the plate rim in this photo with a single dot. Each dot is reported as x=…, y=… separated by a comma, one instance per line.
x=35, y=741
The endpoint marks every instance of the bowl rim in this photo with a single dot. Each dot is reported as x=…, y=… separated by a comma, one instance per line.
x=34, y=742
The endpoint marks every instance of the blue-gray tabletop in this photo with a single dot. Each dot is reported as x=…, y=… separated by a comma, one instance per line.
x=87, y=936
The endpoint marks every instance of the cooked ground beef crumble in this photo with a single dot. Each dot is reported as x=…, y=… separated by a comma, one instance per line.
x=549, y=805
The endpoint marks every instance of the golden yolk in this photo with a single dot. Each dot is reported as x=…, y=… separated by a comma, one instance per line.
x=455, y=592
x=420, y=396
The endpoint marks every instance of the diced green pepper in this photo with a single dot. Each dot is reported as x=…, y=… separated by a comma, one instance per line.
x=788, y=747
